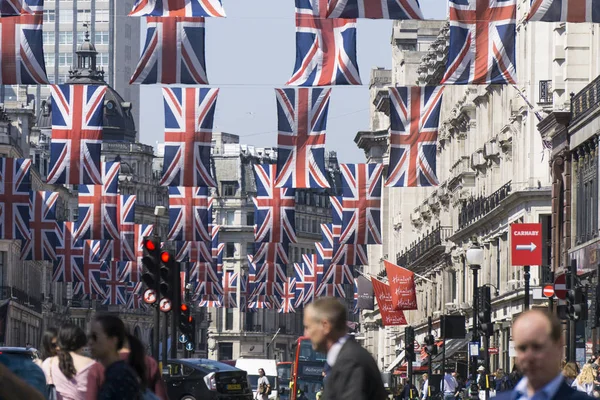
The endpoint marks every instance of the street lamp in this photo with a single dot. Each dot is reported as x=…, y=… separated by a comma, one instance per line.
x=474, y=260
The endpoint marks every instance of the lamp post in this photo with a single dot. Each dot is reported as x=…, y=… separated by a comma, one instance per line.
x=474, y=260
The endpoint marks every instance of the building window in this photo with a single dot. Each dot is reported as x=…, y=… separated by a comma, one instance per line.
x=102, y=60
x=452, y=280
x=102, y=16
x=48, y=38
x=225, y=351
x=250, y=218
x=50, y=61
x=228, y=188
x=66, y=16
x=229, y=249
x=65, y=59
x=65, y=37
x=545, y=92
x=229, y=319
x=84, y=16
x=62, y=78
x=3, y=268
x=250, y=248
x=101, y=37
x=229, y=217
x=315, y=226
x=586, y=172
x=49, y=16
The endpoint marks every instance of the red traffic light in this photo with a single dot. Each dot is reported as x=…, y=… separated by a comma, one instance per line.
x=184, y=307
x=190, y=319
x=165, y=256
x=150, y=245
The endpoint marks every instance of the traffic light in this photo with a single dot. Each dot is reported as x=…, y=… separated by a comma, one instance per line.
x=186, y=323
x=409, y=343
x=191, y=344
x=431, y=348
x=577, y=307
x=547, y=276
x=167, y=271
x=151, y=262
x=484, y=299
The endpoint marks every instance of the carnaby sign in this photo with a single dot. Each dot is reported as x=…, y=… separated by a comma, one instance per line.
x=526, y=244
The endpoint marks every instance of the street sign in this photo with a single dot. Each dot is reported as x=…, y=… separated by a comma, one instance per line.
x=493, y=350
x=526, y=244
x=150, y=296
x=417, y=346
x=560, y=286
x=548, y=291
x=165, y=305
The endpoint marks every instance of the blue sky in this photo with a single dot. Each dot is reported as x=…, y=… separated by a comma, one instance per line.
x=253, y=51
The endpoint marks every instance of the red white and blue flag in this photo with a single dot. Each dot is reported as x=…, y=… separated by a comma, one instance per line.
x=77, y=121
x=21, y=50
x=189, y=215
x=564, y=11
x=13, y=8
x=43, y=228
x=275, y=212
x=325, y=48
x=230, y=285
x=271, y=253
x=342, y=254
x=287, y=296
x=193, y=252
x=414, y=118
x=482, y=42
x=135, y=298
x=68, y=266
x=115, y=289
x=375, y=9
x=302, y=121
x=330, y=290
x=15, y=184
x=189, y=115
x=92, y=269
x=173, y=52
x=217, y=248
x=338, y=274
x=98, y=206
x=361, y=190
x=208, y=281
x=177, y=8
x=123, y=248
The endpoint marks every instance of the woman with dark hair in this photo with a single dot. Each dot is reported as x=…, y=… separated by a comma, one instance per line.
x=123, y=380
x=68, y=370
x=49, y=343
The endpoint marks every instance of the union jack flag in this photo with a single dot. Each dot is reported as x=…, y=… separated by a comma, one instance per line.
x=193, y=252
x=338, y=274
x=98, y=206
x=325, y=48
x=482, y=42
x=271, y=253
x=35, y=6
x=340, y=254
x=330, y=290
x=230, y=285
x=287, y=295
x=275, y=214
x=207, y=279
x=189, y=214
x=307, y=280
x=15, y=184
x=77, y=120
x=375, y=9
x=302, y=120
x=68, y=266
x=13, y=8
x=92, y=269
x=260, y=302
x=214, y=303
x=189, y=115
x=177, y=8
x=361, y=186
x=124, y=248
x=217, y=248
x=134, y=273
x=135, y=298
x=114, y=288
x=414, y=117
x=173, y=52
x=564, y=11
x=43, y=228
x=21, y=50
x=270, y=272
x=337, y=212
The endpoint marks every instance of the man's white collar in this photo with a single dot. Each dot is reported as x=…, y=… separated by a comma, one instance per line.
x=334, y=351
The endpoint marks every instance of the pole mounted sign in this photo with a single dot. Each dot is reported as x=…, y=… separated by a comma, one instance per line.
x=526, y=244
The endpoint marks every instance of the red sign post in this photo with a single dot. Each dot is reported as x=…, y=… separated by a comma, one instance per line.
x=526, y=244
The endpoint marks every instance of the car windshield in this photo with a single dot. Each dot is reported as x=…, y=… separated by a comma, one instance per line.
x=254, y=382
x=308, y=389
x=209, y=365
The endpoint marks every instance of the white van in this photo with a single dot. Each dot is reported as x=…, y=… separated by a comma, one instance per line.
x=251, y=366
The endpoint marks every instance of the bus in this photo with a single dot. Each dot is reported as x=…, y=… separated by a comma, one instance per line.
x=284, y=376
x=307, y=371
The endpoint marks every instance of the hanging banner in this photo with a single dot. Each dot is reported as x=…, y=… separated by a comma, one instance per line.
x=364, y=290
x=389, y=316
x=402, y=287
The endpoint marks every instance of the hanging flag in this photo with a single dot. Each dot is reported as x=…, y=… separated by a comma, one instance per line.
x=361, y=189
x=92, y=270
x=135, y=297
x=325, y=48
x=330, y=290
x=35, y=6
x=270, y=272
x=98, y=206
x=217, y=248
x=208, y=281
x=564, y=11
x=414, y=121
x=271, y=253
x=189, y=115
x=275, y=214
x=307, y=280
x=375, y=9
x=173, y=52
x=338, y=274
x=123, y=248
x=402, y=287
x=342, y=254
x=215, y=303
x=364, y=289
x=13, y=8
x=177, y=8
x=68, y=266
x=482, y=42
x=21, y=50
x=43, y=228
x=15, y=184
x=302, y=121
x=115, y=290
x=77, y=120
x=230, y=285
x=287, y=295
x=189, y=214
x=389, y=315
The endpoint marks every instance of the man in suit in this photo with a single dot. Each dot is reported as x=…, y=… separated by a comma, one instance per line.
x=351, y=371
x=539, y=345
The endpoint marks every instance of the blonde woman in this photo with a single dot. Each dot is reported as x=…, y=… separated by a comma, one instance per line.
x=585, y=380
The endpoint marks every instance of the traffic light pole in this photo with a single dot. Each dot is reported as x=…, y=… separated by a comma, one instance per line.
x=175, y=314
x=429, y=329
x=165, y=341
x=474, y=387
x=527, y=276
x=157, y=320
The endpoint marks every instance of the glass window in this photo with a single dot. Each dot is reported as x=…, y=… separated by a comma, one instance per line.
x=84, y=16
x=49, y=16
x=250, y=218
x=65, y=37
x=229, y=249
x=228, y=188
x=48, y=38
x=102, y=16
x=102, y=60
x=228, y=319
x=230, y=217
x=80, y=37
x=62, y=78
x=66, y=16
x=101, y=38
x=226, y=351
x=65, y=59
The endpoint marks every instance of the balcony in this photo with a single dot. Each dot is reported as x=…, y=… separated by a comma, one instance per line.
x=476, y=208
x=586, y=100
x=425, y=245
x=21, y=297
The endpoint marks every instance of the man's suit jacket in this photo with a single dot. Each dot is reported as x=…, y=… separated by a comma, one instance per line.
x=565, y=392
x=354, y=376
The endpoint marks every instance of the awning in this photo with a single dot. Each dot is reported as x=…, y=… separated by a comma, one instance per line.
x=453, y=347
x=396, y=361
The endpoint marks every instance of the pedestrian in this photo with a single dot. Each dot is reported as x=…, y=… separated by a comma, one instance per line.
x=264, y=386
x=425, y=387
x=449, y=386
x=68, y=370
x=122, y=380
x=49, y=343
x=570, y=371
x=539, y=345
x=352, y=371
x=585, y=380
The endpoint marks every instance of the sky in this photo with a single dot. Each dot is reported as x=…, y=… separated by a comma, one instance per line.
x=253, y=51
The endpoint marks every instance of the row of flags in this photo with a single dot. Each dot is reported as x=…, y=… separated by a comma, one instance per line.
x=481, y=48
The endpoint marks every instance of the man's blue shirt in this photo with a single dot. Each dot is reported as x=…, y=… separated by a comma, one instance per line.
x=545, y=393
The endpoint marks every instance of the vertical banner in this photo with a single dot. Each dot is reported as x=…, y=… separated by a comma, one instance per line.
x=389, y=316
x=364, y=290
x=402, y=287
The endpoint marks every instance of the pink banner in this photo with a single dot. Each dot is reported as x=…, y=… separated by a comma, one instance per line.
x=389, y=316
x=402, y=287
